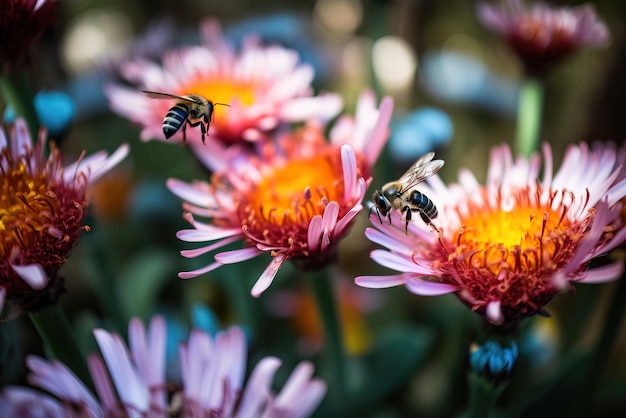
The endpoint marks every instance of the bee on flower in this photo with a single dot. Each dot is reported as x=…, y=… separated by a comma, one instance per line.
x=508, y=247
x=42, y=209
x=262, y=85
x=294, y=200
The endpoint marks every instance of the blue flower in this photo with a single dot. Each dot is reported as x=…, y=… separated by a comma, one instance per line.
x=494, y=360
x=419, y=132
x=459, y=78
x=55, y=110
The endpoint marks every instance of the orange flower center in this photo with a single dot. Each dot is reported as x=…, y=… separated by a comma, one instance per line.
x=512, y=255
x=26, y=208
x=522, y=238
x=297, y=191
x=221, y=91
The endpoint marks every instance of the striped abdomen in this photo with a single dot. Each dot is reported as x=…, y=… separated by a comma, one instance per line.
x=174, y=119
x=423, y=203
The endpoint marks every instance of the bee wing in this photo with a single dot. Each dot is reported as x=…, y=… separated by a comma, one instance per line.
x=423, y=168
x=158, y=95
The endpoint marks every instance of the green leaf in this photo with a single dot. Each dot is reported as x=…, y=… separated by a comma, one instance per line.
x=140, y=282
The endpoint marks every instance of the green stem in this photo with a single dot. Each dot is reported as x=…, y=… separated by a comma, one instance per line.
x=239, y=291
x=529, y=110
x=321, y=284
x=483, y=395
x=17, y=94
x=54, y=329
x=602, y=351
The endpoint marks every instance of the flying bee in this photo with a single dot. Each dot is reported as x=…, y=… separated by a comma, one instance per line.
x=192, y=110
x=402, y=195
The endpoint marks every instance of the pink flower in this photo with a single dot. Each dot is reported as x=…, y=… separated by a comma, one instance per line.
x=508, y=247
x=42, y=212
x=295, y=200
x=130, y=381
x=262, y=85
x=542, y=35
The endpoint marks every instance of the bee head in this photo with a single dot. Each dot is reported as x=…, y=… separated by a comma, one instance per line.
x=382, y=203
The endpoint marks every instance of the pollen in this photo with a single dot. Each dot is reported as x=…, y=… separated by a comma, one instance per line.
x=509, y=249
x=40, y=218
x=297, y=191
x=26, y=207
x=522, y=238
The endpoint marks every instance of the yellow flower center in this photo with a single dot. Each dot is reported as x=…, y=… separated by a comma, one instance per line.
x=26, y=207
x=297, y=191
x=221, y=91
x=520, y=239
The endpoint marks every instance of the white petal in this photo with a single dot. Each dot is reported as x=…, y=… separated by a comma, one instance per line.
x=33, y=274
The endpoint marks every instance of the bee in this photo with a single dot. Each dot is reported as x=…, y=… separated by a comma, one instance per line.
x=192, y=110
x=402, y=195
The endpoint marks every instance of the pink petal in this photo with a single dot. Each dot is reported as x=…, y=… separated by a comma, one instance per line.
x=198, y=272
x=258, y=388
x=494, y=312
x=203, y=250
x=314, y=232
x=196, y=235
x=268, y=276
x=398, y=263
x=348, y=161
x=132, y=392
x=187, y=192
x=428, y=288
x=603, y=274
x=236, y=256
x=379, y=282
x=33, y=274
x=380, y=133
x=102, y=382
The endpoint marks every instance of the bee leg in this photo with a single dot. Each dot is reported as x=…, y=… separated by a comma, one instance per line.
x=207, y=122
x=203, y=129
x=428, y=221
x=184, y=133
x=407, y=218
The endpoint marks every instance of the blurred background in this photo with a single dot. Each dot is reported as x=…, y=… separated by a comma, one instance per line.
x=455, y=87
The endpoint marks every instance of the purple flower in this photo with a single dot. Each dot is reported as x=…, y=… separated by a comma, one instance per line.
x=541, y=35
x=130, y=381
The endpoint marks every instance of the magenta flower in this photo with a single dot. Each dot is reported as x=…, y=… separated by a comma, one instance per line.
x=130, y=381
x=262, y=85
x=294, y=201
x=43, y=205
x=541, y=35
x=510, y=246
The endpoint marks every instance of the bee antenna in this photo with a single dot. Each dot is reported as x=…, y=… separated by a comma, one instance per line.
x=221, y=104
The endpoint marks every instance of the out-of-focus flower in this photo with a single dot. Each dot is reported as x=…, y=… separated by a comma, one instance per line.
x=459, y=78
x=540, y=342
x=42, y=208
x=541, y=35
x=354, y=304
x=288, y=29
x=21, y=23
x=55, y=111
x=508, y=247
x=130, y=381
x=262, y=85
x=419, y=132
x=295, y=200
x=493, y=360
